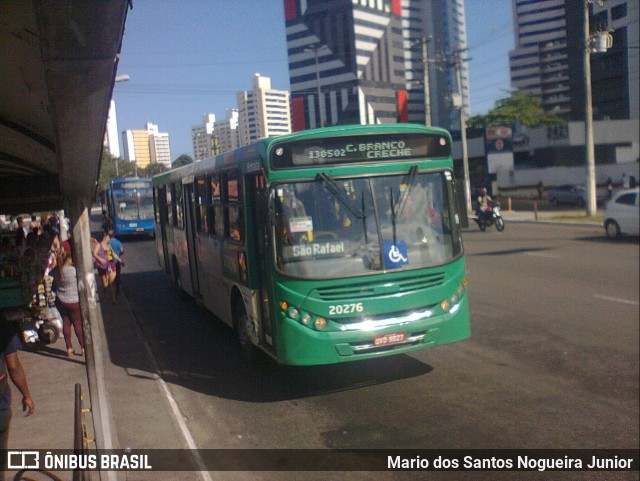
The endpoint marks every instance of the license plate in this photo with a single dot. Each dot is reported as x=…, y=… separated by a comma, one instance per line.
x=139, y=229
x=387, y=339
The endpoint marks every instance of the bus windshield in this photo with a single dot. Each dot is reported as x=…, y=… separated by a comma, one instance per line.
x=332, y=228
x=133, y=204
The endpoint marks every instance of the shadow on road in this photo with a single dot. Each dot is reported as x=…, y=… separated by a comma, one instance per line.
x=195, y=350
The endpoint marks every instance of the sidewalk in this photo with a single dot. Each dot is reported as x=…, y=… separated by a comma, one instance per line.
x=141, y=413
x=556, y=216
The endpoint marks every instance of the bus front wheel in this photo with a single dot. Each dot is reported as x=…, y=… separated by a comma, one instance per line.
x=247, y=333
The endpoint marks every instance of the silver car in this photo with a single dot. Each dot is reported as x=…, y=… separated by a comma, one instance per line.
x=569, y=194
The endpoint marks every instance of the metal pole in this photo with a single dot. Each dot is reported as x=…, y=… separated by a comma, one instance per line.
x=588, y=121
x=463, y=133
x=315, y=50
x=425, y=81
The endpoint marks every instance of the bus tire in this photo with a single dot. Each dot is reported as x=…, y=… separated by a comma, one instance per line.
x=246, y=333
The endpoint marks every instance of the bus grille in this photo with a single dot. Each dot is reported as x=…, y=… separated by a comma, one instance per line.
x=365, y=290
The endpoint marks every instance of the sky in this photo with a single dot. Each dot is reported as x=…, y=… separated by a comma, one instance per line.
x=185, y=59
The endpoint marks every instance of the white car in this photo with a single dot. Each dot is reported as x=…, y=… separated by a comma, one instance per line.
x=622, y=214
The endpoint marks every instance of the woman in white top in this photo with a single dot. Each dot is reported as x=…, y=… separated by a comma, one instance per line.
x=68, y=302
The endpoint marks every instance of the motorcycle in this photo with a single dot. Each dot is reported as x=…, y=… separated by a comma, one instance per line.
x=490, y=216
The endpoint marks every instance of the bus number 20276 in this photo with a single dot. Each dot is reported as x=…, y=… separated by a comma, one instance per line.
x=346, y=308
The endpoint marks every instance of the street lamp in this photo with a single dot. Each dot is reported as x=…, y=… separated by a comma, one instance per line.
x=315, y=48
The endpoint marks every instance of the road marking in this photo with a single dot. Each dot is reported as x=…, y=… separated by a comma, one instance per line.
x=542, y=254
x=173, y=404
x=617, y=299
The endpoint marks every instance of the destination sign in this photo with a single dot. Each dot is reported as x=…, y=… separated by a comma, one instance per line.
x=361, y=148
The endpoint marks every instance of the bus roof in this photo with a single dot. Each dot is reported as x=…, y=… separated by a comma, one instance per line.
x=243, y=156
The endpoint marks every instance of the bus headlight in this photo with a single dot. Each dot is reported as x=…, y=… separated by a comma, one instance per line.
x=320, y=324
x=306, y=319
x=445, y=306
x=294, y=313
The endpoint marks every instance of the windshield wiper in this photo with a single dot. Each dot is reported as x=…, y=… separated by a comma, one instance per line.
x=402, y=201
x=398, y=208
x=339, y=194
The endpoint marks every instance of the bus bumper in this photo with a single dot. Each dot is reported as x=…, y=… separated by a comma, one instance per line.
x=304, y=346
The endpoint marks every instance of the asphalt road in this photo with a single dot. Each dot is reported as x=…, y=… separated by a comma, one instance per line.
x=552, y=363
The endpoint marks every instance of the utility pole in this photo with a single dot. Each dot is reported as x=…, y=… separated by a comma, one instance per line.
x=425, y=81
x=606, y=42
x=463, y=130
x=315, y=49
x=588, y=121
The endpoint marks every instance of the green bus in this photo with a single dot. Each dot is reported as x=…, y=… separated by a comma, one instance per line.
x=323, y=246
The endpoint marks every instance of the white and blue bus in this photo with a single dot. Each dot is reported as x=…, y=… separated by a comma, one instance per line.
x=129, y=202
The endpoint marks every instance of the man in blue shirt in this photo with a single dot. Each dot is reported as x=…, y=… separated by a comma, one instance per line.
x=118, y=249
x=11, y=367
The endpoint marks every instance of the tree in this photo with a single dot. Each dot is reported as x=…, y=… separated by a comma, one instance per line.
x=521, y=107
x=152, y=169
x=184, y=159
x=112, y=167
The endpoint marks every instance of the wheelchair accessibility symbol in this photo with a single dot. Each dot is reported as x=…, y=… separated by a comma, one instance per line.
x=395, y=255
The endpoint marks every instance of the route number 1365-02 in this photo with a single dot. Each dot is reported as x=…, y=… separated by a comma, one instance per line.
x=346, y=308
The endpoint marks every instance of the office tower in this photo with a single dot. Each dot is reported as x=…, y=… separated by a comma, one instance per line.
x=346, y=62
x=111, y=133
x=202, y=137
x=262, y=111
x=548, y=59
x=226, y=135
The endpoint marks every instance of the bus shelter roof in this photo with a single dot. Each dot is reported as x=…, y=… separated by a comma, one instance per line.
x=58, y=72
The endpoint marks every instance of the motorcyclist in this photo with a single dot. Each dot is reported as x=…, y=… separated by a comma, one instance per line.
x=484, y=201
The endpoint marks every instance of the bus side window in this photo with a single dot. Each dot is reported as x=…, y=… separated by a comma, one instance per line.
x=202, y=216
x=170, y=205
x=233, y=207
x=179, y=212
x=217, y=222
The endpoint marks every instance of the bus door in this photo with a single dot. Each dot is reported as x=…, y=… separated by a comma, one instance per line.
x=258, y=198
x=161, y=222
x=191, y=236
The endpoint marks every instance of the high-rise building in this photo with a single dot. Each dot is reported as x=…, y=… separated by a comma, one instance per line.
x=262, y=111
x=226, y=135
x=202, y=138
x=548, y=59
x=441, y=23
x=346, y=62
x=159, y=148
x=145, y=147
x=111, y=134
x=363, y=60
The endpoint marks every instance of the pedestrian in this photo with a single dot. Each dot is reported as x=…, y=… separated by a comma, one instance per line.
x=68, y=302
x=107, y=222
x=20, y=236
x=624, y=182
x=632, y=182
x=11, y=367
x=106, y=267
x=609, y=188
x=540, y=188
x=118, y=249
